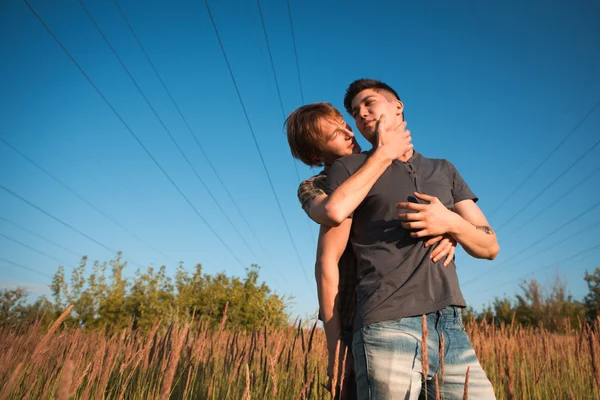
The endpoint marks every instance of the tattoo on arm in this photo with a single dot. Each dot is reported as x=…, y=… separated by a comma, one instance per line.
x=485, y=229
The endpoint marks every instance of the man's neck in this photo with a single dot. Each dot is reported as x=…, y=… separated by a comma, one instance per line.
x=406, y=156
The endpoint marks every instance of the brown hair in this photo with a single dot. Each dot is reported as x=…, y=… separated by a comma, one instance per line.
x=303, y=133
x=362, y=84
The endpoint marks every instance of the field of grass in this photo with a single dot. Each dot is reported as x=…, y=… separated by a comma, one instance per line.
x=198, y=362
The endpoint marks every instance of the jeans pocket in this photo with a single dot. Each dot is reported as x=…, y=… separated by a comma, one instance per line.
x=389, y=323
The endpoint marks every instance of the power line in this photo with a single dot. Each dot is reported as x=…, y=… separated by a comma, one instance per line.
x=571, y=257
x=255, y=140
x=262, y=20
x=559, y=198
x=36, y=250
x=26, y=268
x=552, y=183
x=569, y=134
x=553, y=245
x=137, y=139
x=60, y=221
x=295, y=52
x=569, y=222
x=163, y=125
x=65, y=186
x=190, y=130
x=40, y=237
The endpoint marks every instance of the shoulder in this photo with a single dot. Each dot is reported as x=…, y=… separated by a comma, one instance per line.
x=439, y=164
x=313, y=184
x=311, y=188
x=352, y=162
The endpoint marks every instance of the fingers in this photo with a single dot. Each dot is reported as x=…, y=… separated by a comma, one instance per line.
x=380, y=123
x=409, y=205
x=450, y=256
x=401, y=126
x=435, y=252
x=410, y=217
x=444, y=249
x=441, y=248
x=414, y=225
x=420, y=234
x=426, y=197
x=432, y=241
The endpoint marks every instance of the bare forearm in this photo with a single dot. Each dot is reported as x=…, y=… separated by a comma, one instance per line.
x=327, y=277
x=343, y=201
x=479, y=241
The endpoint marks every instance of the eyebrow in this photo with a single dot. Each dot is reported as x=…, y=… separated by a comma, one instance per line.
x=354, y=109
x=330, y=135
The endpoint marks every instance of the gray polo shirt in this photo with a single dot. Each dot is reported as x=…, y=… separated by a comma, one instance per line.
x=396, y=277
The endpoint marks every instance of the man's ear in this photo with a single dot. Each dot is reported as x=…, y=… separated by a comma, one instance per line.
x=399, y=107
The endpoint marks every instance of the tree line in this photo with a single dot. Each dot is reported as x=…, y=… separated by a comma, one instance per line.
x=103, y=297
x=550, y=307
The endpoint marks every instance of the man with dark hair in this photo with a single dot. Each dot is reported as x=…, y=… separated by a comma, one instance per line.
x=400, y=288
x=363, y=84
x=318, y=135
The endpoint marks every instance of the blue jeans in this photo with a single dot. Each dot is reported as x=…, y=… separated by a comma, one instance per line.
x=388, y=359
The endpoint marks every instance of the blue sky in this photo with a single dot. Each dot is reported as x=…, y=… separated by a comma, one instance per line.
x=492, y=87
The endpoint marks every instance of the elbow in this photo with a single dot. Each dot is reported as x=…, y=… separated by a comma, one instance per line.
x=493, y=252
x=334, y=215
x=484, y=253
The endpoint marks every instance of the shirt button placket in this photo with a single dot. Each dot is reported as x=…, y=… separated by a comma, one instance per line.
x=413, y=175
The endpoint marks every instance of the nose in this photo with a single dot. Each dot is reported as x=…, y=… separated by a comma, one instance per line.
x=349, y=134
x=363, y=112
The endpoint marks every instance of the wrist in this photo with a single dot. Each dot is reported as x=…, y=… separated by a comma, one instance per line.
x=384, y=154
x=456, y=224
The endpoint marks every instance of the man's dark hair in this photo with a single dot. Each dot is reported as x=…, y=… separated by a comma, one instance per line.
x=361, y=84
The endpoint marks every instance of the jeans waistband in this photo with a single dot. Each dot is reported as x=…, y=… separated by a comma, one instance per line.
x=449, y=311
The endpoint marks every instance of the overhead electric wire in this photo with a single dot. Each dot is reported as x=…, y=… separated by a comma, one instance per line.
x=552, y=245
x=191, y=131
x=295, y=52
x=552, y=183
x=60, y=221
x=137, y=139
x=26, y=268
x=255, y=140
x=564, y=225
x=36, y=250
x=80, y=197
x=262, y=20
x=559, y=198
x=40, y=237
x=569, y=134
x=167, y=130
x=580, y=253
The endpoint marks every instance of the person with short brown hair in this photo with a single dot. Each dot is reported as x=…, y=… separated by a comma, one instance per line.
x=305, y=133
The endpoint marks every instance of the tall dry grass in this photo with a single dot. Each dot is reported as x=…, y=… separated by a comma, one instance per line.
x=195, y=361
